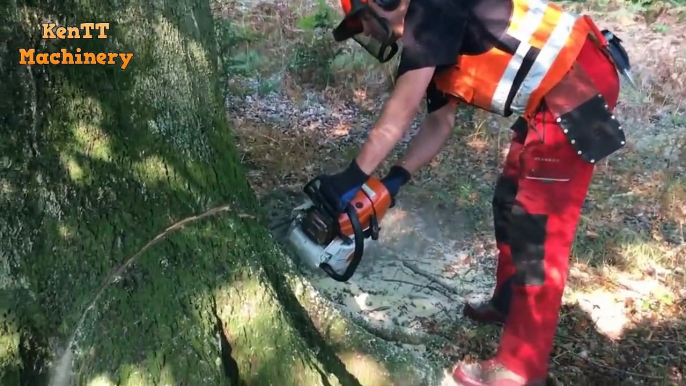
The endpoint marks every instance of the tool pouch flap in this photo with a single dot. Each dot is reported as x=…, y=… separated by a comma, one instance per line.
x=584, y=116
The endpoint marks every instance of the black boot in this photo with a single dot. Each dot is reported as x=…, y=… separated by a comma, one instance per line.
x=493, y=311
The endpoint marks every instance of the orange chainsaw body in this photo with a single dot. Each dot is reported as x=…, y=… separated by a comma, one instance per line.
x=336, y=245
x=373, y=200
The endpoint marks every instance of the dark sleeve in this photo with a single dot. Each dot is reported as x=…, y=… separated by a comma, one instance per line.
x=434, y=98
x=433, y=34
x=434, y=30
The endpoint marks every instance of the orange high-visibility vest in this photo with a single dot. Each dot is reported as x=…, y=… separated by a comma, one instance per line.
x=491, y=81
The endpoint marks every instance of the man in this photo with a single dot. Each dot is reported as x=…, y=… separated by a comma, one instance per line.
x=524, y=57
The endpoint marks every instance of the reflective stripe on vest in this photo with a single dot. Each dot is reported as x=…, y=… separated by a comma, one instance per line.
x=524, y=31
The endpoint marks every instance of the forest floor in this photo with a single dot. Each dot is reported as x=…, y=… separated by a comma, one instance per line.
x=300, y=105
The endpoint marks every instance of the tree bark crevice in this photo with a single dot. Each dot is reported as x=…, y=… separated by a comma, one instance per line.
x=229, y=364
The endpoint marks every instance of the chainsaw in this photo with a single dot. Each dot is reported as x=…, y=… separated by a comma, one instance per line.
x=336, y=244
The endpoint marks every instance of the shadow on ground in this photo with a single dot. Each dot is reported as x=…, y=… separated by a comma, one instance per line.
x=413, y=282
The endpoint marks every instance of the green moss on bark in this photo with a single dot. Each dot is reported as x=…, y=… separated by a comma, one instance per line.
x=97, y=162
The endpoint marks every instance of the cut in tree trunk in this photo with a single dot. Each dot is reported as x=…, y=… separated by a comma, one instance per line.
x=128, y=231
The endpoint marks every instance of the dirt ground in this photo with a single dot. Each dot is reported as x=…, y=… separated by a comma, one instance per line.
x=622, y=320
x=417, y=275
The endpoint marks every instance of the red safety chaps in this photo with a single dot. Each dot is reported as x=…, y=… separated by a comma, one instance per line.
x=535, y=223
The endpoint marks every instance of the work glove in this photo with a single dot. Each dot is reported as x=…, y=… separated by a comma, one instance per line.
x=339, y=189
x=397, y=176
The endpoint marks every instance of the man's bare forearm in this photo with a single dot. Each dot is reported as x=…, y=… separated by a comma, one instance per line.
x=433, y=133
x=383, y=138
x=395, y=118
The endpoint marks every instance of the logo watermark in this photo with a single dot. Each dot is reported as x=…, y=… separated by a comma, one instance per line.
x=82, y=31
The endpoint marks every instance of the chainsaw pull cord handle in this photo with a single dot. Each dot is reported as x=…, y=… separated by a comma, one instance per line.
x=357, y=254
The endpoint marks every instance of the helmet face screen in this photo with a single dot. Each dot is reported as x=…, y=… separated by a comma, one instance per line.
x=378, y=40
x=382, y=51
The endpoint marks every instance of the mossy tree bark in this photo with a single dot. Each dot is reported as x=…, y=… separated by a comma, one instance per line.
x=98, y=161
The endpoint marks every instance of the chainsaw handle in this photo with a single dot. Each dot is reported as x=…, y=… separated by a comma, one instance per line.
x=357, y=254
x=318, y=198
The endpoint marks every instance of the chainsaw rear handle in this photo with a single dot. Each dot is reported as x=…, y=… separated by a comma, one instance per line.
x=312, y=190
x=357, y=254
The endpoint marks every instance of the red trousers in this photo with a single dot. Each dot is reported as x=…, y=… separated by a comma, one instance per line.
x=535, y=224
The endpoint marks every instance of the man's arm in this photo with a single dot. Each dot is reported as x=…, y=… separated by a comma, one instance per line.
x=433, y=133
x=432, y=38
x=395, y=118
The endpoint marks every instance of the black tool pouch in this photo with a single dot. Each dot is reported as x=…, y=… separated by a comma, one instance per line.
x=585, y=117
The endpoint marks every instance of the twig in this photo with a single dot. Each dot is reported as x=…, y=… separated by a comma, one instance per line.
x=430, y=277
x=398, y=334
x=610, y=368
x=113, y=275
x=672, y=341
x=443, y=309
x=427, y=286
x=380, y=308
x=442, y=289
x=406, y=282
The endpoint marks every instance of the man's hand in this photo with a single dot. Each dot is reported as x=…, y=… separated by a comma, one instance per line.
x=339, y=189
x=395, y=118
x=395, y=178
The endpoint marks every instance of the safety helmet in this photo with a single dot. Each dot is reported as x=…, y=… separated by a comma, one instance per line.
x=351, y=27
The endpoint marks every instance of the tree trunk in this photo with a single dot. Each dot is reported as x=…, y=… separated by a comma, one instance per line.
x=129, y=235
